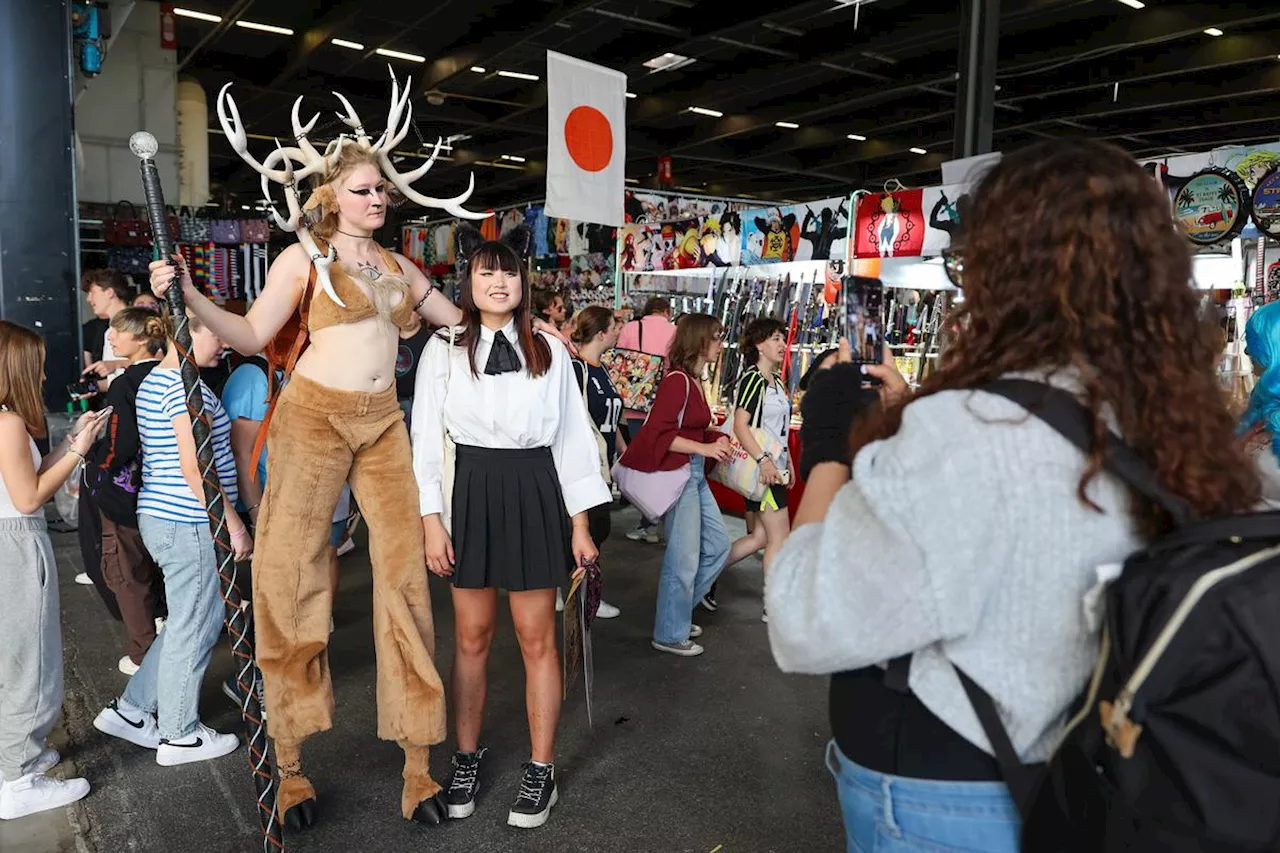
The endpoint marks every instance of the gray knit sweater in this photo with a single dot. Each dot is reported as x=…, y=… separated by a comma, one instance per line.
x=962, y=539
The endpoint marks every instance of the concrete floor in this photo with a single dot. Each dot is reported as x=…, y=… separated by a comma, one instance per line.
x=715, y=754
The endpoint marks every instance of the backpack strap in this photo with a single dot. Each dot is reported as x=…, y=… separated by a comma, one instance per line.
x=273, y=386
x=1073, y=421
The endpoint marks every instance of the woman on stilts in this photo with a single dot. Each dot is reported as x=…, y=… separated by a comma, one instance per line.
x=516, y=517
x=330, y=317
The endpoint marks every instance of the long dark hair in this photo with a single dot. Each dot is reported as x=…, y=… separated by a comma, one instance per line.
x=496, y=255
x=1072, y=262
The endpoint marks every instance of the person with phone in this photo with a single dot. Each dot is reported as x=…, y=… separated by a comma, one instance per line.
x=159, y=708
x=31, y=631
x=679, y=432
x=763, y=403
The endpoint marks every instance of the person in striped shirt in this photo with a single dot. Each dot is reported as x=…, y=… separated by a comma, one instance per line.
x=159, y=708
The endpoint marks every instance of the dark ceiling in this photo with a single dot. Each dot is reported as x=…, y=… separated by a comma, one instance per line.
x=1149, y=79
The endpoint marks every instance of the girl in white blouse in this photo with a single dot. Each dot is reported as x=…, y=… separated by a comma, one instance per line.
x=515, y=515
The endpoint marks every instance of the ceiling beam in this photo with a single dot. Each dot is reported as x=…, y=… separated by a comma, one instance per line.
x=482, y=52
x=237, y=10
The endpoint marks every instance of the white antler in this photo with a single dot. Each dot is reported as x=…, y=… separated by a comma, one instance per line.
x=233, y=127
x=312, y=159
x=352, y=120
x=403, y=183
x=397, y=129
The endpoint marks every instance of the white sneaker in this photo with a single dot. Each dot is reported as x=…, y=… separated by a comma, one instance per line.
x=607, y=611
x=644, y=534
x=203, y=744
x=160, y=622
x=36, y=792
x=84, y=580
x=346, y=547
x=119, y=719
x=127, y=666
x=695, y=631
x=47, y=761
x=559, y=602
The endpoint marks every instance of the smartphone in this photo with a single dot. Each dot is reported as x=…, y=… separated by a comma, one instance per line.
x=864, y=318
x=83, y=388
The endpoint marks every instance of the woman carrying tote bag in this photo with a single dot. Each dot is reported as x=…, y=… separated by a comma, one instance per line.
x=677, y=430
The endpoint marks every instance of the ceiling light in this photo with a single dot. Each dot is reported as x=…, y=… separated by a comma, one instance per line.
x=631, y=94
x=632, y=181
x=1213, y=31
x=703, y=111
x=479, y=69
x=517, y=75
x=1134, y=4
x=266, y=28
x=354, y=45
x=918, y=151
x=199, y=16
x=667, y=62
x=514, y=158
x=856, y=137
x=396, y=54
x=789, y=125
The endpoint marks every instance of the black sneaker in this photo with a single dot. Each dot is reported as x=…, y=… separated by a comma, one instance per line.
x=464, y=783
x=537, y=795
x=708, y=601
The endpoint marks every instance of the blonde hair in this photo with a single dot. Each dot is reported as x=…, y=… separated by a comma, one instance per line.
x=21, y=369
x=350, y=157
x=146, y=324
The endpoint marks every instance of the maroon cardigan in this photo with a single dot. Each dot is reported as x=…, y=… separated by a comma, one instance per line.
x=650, y=449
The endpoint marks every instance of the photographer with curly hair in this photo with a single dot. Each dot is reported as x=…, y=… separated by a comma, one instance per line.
x=953, y=530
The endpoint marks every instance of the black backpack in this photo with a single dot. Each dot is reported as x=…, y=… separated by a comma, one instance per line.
x=1176, y=744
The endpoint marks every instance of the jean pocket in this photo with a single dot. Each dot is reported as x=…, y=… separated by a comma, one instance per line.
x=157, y=536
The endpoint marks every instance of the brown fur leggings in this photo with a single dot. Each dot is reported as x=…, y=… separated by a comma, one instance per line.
x=319, y=439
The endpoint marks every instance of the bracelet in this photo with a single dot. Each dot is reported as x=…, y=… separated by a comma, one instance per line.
x=431, y=288
x=75, y=452
x=239, y=534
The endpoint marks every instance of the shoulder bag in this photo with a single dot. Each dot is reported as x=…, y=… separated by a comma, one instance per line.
x=655, y=492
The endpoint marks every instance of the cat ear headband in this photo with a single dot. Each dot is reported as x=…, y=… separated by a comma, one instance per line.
x=467, y=240
x=288, y=165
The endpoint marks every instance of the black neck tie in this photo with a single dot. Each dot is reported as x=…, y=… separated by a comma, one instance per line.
x=502, y=356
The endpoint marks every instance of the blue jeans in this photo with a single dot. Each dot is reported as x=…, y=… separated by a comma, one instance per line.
x=168, y=682
x=890, y=814
x=697, y=546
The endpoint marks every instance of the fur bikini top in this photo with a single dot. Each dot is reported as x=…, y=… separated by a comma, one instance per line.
x=389, y=292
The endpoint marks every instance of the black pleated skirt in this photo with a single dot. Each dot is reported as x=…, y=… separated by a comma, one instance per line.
x=510, y=527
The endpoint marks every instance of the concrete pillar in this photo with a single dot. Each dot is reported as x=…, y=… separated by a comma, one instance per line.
x=39, y=257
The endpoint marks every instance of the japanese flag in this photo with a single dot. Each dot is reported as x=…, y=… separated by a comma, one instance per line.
x=586, y=140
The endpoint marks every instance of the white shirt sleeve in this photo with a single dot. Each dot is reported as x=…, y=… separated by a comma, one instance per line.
x=428, y=424
x=574, y=448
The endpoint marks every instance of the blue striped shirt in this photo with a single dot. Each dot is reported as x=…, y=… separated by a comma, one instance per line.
x=165, y=493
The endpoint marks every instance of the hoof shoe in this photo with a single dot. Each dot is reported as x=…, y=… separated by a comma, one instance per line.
x=301, y=816
x=431, y=812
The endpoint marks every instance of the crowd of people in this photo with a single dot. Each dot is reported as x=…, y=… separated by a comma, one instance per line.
x=943, y=528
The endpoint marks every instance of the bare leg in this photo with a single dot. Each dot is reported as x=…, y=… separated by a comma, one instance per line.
x=749, y=544
x=475, y=618
x=534, y=615
x=777, y=526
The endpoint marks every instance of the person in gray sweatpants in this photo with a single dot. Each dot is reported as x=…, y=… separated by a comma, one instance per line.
x=30, y=630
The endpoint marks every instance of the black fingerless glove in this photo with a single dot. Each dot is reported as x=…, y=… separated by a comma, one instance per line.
x=834, y=399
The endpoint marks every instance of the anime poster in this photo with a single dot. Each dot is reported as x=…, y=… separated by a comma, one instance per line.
x=637, y=244
x=889, y=225
x=771, y=235
x=721, y=238
x=824, y=230
x=944, y=209
x=653, y=208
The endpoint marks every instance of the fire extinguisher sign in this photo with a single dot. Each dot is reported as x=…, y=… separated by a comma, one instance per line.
x=168, y=27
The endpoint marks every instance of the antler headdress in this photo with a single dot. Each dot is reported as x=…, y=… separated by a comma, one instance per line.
x=288, y=165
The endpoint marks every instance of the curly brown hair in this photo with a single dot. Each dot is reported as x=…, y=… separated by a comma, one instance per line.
x=1072, y=262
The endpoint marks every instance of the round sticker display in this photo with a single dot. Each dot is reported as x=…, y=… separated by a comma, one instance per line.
x=1266, y=203
x=1212, y=206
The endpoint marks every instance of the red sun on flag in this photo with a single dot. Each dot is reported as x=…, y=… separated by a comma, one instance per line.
x=589, y=138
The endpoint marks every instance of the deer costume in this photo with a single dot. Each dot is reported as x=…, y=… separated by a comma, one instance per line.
x=320, y=438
